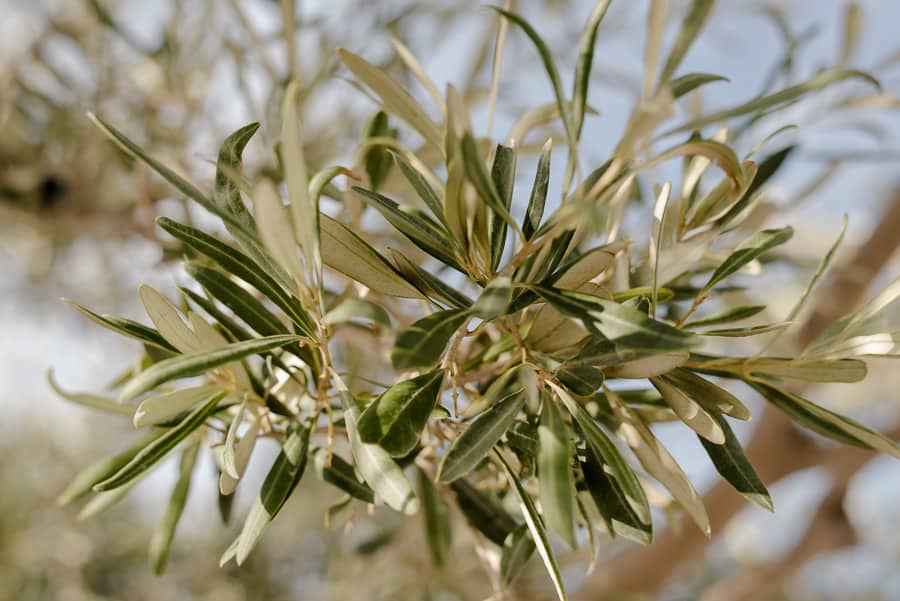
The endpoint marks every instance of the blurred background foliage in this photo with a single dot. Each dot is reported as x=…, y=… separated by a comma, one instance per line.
x=76, y=219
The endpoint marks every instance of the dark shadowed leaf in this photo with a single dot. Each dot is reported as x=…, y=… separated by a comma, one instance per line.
x=535, y=211
x=227, y=191
x=503, y=174
x=341, y=475
x=482, y=512
x=621, y=479
x=734, y=466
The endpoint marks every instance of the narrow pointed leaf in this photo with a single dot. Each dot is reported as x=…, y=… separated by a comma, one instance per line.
x=748, y=250
x=240, y=301
x=827, y=423
x=478, y=174
x=503, y=175
x=424, y=235
x=241, y=266
x=227, y=191
x=658, y=462
x=477, y=440
x=622, y=478
x=694, y=415
x=420, y=183
x=304, y=208
x=733, y=465
x=344, y=251
x=585, y=62
x=168, y=321
x=169, y=175
x=693, y=23
x=727, y=316
x=536, y=526
x=553, y=74
x=161, y=540
x=428, y=284
x=535, y=211
x=612, y=503
x=86, y=479
x=833, y=370
x=396, y=100
x=818, y=82
x=89, y=400
x=711, y=397
x=196, y=363
x=555, y=480
x=280, y=482
x=623, y=325
x=126, y=327
x=690, y=82
x=151, y=454
x=163, y=407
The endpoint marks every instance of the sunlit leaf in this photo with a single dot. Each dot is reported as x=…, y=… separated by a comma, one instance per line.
x=162, y=407
x=818, y=82
x=344, y=251
x=196, y=363
x=690, y=411
x=396, y=100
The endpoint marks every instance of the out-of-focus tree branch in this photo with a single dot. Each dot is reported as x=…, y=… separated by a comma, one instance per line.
x=776, y=449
